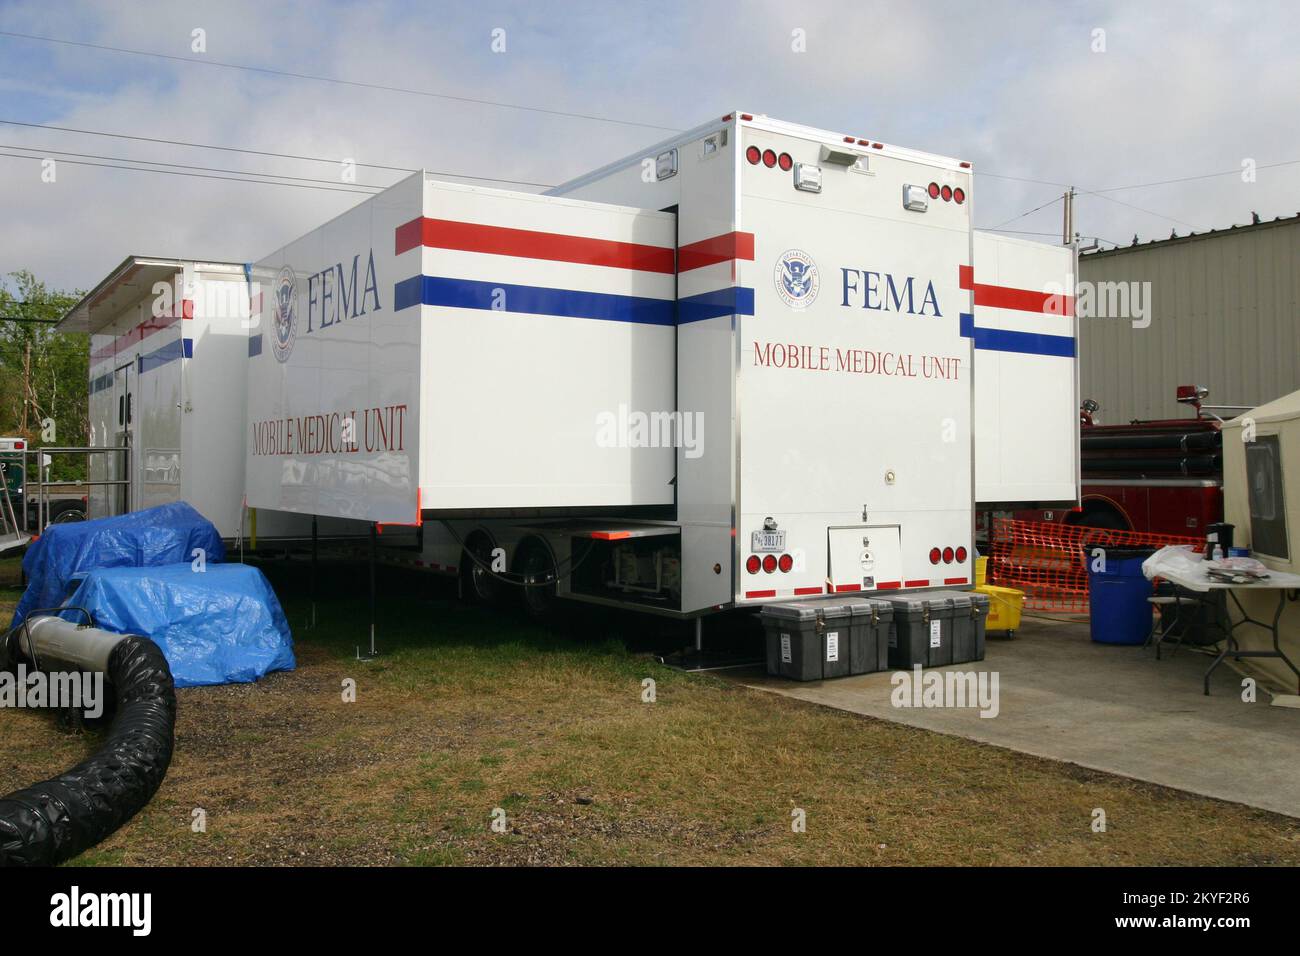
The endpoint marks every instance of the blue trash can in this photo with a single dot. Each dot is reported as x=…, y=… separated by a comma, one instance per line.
x=1117, y=597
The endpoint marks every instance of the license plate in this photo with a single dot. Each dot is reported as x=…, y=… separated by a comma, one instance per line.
x=767, y=541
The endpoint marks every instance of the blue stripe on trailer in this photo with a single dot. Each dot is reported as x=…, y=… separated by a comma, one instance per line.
x=161, y=356
x=188, y=346
x=255, y=345
x=1026, y=343
x=531, y=300
x=733, y=300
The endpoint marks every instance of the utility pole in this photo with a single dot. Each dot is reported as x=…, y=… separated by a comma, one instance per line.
x=1067, y=224
x=27, y=382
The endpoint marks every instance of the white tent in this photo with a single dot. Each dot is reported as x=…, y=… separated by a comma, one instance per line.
x=1261, y=497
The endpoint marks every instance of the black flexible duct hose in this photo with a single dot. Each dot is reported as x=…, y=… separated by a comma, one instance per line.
x=54, y=821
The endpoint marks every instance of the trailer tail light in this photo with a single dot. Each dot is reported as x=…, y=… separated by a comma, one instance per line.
x=753, y=564
x=959, y=195
x=935, y=555
x=769, y=158
x=785, y=162
x=946, y=191
x=785, y=563
x=934, y=190
x=769, y=563
x=753, y=154
x=947, y=555
x=961, y=555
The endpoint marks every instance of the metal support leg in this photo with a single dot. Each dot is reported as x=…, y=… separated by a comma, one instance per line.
x=312, y=625
x=374, y=548
x=699, y=635
x=1232, y=649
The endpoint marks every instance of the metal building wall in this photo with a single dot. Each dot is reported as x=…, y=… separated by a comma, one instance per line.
x=1225, y=313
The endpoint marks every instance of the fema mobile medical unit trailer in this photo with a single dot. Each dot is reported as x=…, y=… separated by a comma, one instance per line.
x=756, y=362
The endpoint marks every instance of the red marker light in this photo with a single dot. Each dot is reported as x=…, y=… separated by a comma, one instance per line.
x=947, y=193
x=961, y=555
x=786, y=563
x=753, y=564
x=959, y=195
x=934, y=190
x=753, y=154
x=769, y=563
x=785, y=162
x=935, y=555
x=769, y=158
x=947, y=555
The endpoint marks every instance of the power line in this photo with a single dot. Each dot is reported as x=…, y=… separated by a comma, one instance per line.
x=1149, y=212
x=262, y=152
x=170, y=172
x=211, y=169
x=1188, y=179
x=204, y=61
x=1024, y=214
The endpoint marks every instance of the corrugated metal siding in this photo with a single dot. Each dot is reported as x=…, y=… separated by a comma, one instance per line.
x=1225, y=313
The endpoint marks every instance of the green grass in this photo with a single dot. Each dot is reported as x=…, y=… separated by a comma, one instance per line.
x=471, y=710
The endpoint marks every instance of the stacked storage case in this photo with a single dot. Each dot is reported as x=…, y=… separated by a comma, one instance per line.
x=809, y=640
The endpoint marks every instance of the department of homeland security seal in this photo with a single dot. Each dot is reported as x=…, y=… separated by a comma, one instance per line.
x=796, y=277
x=284, y=321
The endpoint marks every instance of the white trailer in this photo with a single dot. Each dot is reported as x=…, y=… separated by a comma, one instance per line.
x=755, y=362
x=168, y=356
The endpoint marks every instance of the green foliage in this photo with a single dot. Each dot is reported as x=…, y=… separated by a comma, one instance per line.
x=53, y=365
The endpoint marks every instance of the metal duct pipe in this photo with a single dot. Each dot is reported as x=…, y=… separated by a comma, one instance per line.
x=54, y=821
x=52, y=640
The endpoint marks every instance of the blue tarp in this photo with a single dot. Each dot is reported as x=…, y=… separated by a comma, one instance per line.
x=219, y=626
x=163, y=535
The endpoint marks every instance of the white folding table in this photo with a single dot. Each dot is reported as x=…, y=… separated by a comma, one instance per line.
x=1278, y=581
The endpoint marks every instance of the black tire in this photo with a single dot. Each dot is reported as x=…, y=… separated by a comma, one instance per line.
x=74, y=512
x=477, y=585
x=1101, y=516
x=535, y=565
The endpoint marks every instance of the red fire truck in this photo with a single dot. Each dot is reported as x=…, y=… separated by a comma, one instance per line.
x=1163, y=476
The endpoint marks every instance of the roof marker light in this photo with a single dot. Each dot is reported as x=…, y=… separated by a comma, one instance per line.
x=746, y=117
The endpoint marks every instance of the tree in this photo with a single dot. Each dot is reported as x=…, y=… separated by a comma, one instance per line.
x=43, y=373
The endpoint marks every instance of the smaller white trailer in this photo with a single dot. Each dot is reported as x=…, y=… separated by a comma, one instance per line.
x=168, y=358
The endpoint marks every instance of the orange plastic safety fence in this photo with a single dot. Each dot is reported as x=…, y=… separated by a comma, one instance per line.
x=1049, y=562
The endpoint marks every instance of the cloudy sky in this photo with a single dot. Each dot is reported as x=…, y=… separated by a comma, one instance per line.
x=1038, y=96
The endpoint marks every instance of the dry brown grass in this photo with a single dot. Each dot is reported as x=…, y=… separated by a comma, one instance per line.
x=474, y=710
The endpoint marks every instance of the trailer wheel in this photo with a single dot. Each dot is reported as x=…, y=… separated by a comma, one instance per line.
x=477, y=586
x=536, y=563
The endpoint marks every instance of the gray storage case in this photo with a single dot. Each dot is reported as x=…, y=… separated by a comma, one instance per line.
x=970, y=613
x=869, y=637
x=807, y=641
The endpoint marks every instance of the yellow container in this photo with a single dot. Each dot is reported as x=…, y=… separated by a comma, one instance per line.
x=1004, y=608
x=981, y=571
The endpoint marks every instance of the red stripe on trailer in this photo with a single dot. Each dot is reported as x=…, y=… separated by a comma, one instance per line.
x=708, y=252
x=760, y=594
x=528, y=244
x=1018, y=300
x=847, y=587
x=183, y=310
x=955, y=581
x=889, y=585
x=816, y=590
x=918, y=583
